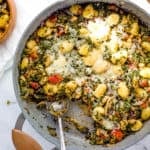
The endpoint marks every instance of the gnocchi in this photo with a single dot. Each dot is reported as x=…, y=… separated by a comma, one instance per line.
x=44, y=32
x=146, y=46
x=89, y=12
x=123, y=90
x=47, y=60
x=137, y=125
x=141, y=93
x=76, y=9
x=134, y=29
x=145, y=115
x=91, y=58
x=71, y=86
x=117, y=69
x=123, y=124
x=100, y=90
x=84, y=49
x=119, y=57
x=114, y=46
x=100, y=66
x=145, y=72
x=50, y=24
x=83, y=32
x=24, y=63
x=31, y=44
x=50, y=89
x=97, y=113
x=124, y=20
x=66, y=46
x=113, y=19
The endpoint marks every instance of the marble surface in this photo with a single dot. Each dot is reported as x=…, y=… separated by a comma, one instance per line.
x=26, y=11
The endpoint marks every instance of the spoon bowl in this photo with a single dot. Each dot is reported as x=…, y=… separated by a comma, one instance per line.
x=58, y=108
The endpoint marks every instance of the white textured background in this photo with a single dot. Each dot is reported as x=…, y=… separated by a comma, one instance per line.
x=26, y=11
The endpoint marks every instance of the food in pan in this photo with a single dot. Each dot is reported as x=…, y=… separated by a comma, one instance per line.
x=4, y=16
x=95, y=54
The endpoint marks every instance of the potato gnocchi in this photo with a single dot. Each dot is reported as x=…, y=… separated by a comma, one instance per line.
x=96, y=56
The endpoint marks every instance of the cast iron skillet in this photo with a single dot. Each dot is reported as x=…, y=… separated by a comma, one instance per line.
x=75, y=141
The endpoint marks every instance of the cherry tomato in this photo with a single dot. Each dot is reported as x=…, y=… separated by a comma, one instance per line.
x=34, y=55
x=143, y=83
x=55, y=79
x=117, y=134
x=144, y=105
x=34, y=85
x=53, y=18
x=60, y=31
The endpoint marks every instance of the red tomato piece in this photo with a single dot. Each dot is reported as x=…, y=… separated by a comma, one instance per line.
x=34, y=55
x=117, y=134
x=34, y=85
x=144, y=105
x=60, y=31
x=55, y=79
x=53, y=18
x=113, y=7
x=143, y=83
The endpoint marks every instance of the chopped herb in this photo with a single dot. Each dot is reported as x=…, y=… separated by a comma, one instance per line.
x=52, y=131
x=8, y=102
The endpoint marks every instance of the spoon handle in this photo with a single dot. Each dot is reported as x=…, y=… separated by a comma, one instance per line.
x=62, y=141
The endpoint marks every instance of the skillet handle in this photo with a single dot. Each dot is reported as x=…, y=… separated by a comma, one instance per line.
x=19, y=125
x=20, y=122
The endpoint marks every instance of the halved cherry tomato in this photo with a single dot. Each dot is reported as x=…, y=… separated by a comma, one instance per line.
x=34, y=85
x=53, y=18
x=113, y=7
x=60, y=31
x=55, y=79
x=144, y=105
x=34, y=55
x=143, y=83
x=117, y=134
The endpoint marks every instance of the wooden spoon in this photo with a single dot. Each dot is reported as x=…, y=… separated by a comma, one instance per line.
x=22, y=141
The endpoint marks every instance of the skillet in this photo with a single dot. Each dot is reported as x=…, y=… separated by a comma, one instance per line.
x=40, y=119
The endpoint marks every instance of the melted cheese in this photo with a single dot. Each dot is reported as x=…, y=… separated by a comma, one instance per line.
x=98, y=29
x=58, y=66
x=109, y=125
x=100, y=66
